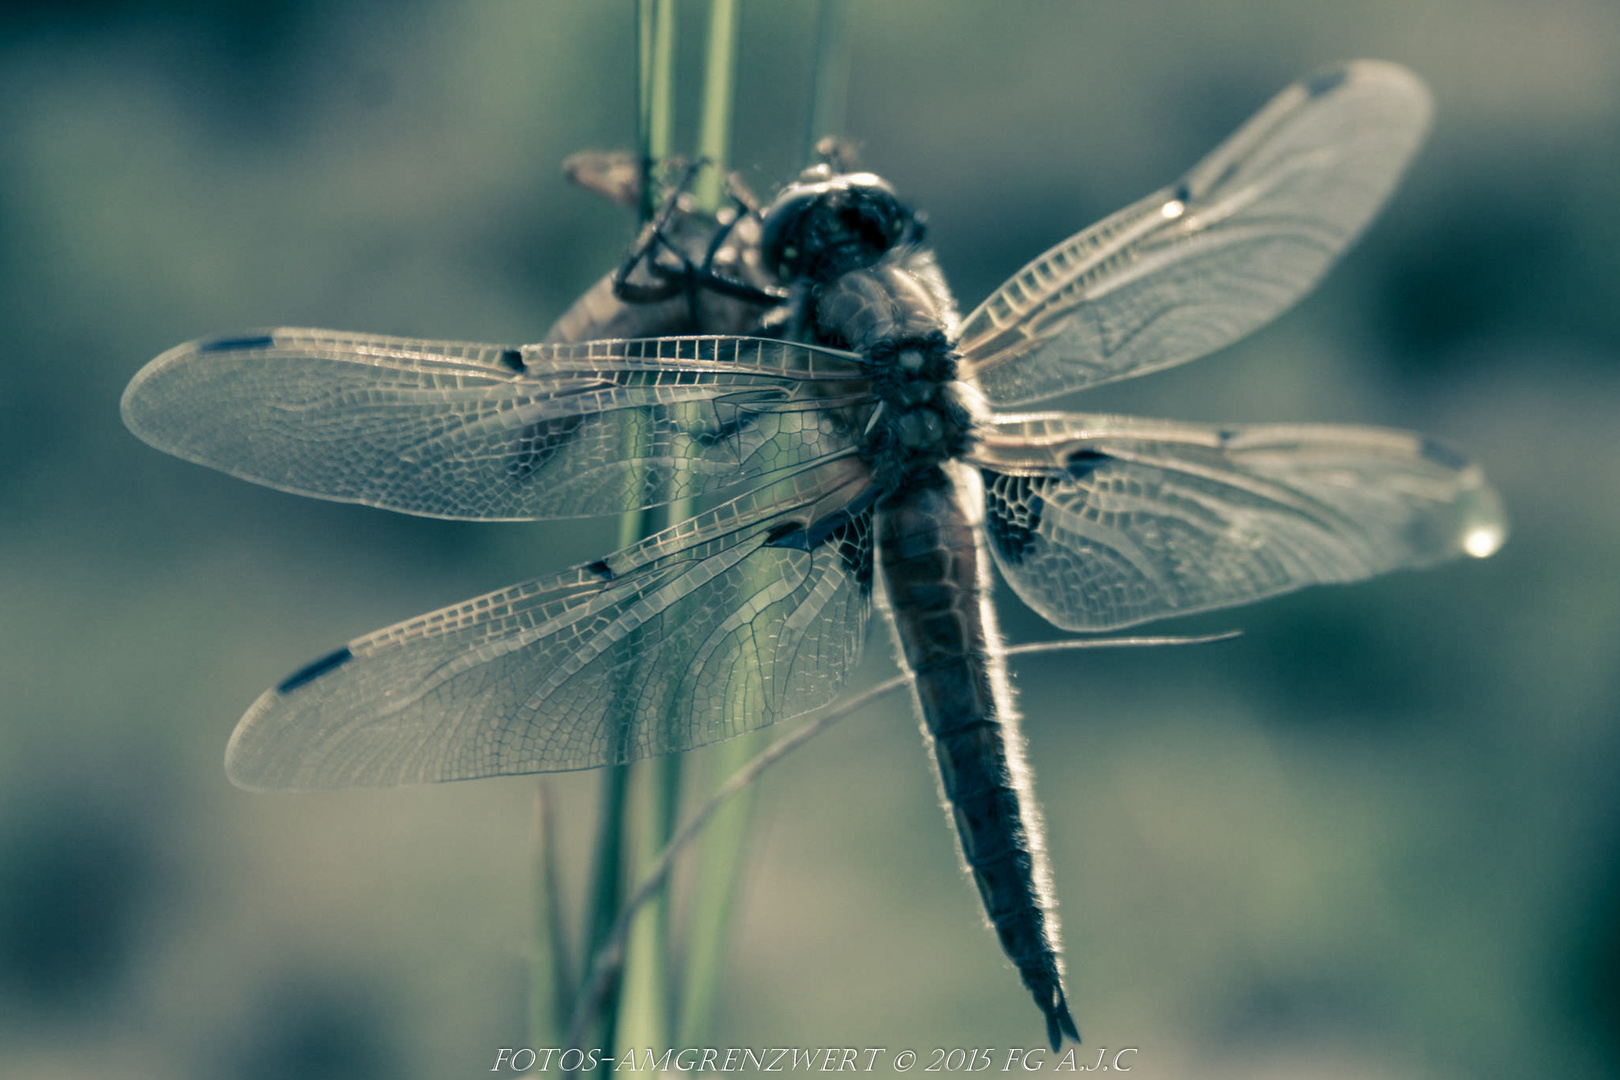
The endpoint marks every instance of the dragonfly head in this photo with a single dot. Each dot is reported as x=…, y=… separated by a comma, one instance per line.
x=826, y=224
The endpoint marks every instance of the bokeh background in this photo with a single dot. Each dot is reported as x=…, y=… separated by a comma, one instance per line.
x=1377, y=836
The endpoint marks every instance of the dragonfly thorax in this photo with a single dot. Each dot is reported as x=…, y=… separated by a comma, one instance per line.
x=921, y=418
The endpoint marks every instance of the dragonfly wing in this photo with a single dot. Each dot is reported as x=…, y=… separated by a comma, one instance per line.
x=1200, y=264
x=1101, y=522
x=456, y=430
x=725, y=623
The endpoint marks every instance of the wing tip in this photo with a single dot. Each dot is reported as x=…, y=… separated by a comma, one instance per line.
x=1481, y=519
x=1483, y=524
x=243, y=764
x=1384, y=75
x=1362, y=71
x=134, y=406
x=246, y=756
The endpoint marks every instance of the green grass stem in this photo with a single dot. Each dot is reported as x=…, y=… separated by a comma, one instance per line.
x=719, y=83
x=829, y=94
x=719, y=859
x=643, y=1013
x=552, y=986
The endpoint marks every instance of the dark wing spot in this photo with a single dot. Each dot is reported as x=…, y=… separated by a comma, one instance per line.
x=1183, y=194
x=1012, y=514
x=601, y=569
x=1325, y=81
x=513, y=359
x=262, y=341
x=818, y=533
x=790, y=534
x=1082, y=463
x=1443, y=455
x=849, y=530
x=310, y=672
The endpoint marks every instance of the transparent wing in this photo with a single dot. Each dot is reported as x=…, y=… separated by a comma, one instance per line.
x=454, y=430
x=1099, y=522
x=723, y=624
x=1193, y=267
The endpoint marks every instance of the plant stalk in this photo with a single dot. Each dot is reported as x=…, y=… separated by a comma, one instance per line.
x=643, y=1014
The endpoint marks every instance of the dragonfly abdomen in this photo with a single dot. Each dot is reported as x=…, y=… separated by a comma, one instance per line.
x=936, y=576
x=862, y=281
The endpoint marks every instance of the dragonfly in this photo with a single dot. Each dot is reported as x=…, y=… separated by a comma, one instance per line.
x=854, y=442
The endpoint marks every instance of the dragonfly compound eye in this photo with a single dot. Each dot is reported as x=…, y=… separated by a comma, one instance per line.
x=819, y=228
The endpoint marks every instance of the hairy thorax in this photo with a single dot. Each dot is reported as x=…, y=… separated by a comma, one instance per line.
x=898, y=314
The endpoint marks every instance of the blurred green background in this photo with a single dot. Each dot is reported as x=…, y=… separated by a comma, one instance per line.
x=1377, y=836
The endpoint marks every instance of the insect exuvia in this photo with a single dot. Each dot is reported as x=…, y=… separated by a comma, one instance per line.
x=848, y=443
